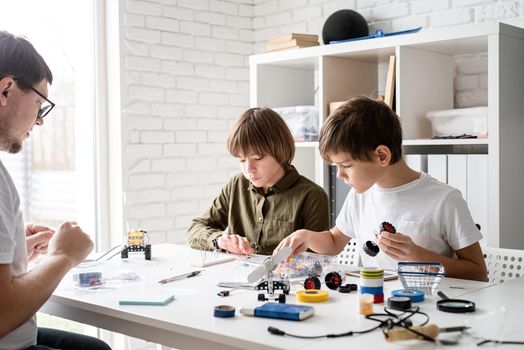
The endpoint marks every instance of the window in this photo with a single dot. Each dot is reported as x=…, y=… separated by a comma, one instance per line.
x=55, y=172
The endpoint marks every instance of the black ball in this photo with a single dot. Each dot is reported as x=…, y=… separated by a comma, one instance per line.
x=343, y=25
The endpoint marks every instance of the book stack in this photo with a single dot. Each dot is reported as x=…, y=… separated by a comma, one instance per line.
x=292, y=41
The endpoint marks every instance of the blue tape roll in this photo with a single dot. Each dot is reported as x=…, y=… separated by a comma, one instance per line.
x=416, y=296
x=371, y=290
x=224, y=311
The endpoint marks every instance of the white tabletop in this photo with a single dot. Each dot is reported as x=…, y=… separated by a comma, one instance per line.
x=188, y=321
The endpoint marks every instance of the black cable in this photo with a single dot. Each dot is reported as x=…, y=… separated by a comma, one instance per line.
x=103, y=255
x=277, y=331
x=109, y=251
x=392, y=320
x=486, y=341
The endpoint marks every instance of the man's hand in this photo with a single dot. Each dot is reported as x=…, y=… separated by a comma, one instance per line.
x=235, y=244
x=298, y=241
x=398, y=246
x=70, y=242
x=37, y=238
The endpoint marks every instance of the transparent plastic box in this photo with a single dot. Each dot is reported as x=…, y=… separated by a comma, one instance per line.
x=302, y=265
x=301, y=120
x=456, y=122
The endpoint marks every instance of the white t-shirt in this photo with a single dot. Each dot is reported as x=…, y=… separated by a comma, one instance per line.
x=13, y=251
x=433, y=214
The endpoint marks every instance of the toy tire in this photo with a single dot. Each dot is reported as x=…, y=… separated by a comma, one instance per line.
x=124, y=254
x=261, y=297
x=282, y=298
x=333, y=280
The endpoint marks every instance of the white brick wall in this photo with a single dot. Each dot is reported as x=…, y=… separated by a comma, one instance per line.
x=186, y=79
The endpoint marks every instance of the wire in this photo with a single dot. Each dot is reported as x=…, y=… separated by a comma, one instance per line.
x=486, y=341
x=103, y=255
x=392, y=320
x=109, y=251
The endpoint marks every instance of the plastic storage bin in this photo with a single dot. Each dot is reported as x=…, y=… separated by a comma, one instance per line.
x=301, y=120
x=455, y=122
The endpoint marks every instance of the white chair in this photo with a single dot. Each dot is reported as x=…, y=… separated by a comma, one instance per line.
x=503, y=264
x=350, y=255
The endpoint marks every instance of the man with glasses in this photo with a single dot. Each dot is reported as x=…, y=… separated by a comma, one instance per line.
x=24, y=77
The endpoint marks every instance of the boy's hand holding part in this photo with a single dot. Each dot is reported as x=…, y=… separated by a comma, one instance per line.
x=298, y=241
x=235, y=244
x=398, y=246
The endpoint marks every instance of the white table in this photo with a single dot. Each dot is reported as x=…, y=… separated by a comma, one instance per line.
x=188, y=322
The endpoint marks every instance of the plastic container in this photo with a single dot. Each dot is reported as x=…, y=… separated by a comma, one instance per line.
x=365, y=304
x=302, y=265
x=456, y=122
x=301, y=120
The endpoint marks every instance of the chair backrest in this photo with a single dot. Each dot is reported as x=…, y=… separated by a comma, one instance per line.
x=503, y=264
x=350, y=255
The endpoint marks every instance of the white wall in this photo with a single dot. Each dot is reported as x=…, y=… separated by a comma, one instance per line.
x=186, y=79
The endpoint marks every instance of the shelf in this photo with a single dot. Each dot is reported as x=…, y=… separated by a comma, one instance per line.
x=444, y=142
x=457, y=40
x=308, y=144
x=446, y=146
x=425, y=77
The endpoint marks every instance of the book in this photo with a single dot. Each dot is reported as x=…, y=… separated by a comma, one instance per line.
x=280, y=310
x=149, y=299
x=294, y=43
x=298, y=36
x=390, y=82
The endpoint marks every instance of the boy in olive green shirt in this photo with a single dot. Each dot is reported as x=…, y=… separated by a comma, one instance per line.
x=269, y=200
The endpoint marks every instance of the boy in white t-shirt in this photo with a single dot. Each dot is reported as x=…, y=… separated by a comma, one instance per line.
x=433, y=223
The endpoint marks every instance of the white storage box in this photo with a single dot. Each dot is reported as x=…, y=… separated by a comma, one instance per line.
x=301, y=120
x=455, y=122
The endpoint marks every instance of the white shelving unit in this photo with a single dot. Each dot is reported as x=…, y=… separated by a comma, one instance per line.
x=424, y=82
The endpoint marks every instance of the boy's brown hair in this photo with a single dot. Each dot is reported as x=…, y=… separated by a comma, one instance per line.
x=263, y=132
x=358, y=127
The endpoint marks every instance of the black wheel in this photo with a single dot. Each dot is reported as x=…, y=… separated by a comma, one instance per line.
x=312, y=283
x=282, y=298
x=148, y=252
x=124, y=254
x=333, y=280
x=261, y=297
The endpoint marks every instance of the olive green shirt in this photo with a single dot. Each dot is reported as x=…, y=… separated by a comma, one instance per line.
x=293, y=203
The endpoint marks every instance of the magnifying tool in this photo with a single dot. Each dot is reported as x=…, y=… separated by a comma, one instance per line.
x=457, y=306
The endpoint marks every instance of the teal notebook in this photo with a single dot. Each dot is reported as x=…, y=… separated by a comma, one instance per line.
x=160, y=299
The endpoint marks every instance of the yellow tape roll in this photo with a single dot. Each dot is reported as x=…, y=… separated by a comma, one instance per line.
x=312, y=295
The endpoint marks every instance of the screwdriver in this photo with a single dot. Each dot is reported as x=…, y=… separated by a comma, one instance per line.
x=430, y=330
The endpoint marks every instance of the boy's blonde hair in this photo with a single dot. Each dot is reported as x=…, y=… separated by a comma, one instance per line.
x=263, y=132
x=358, y=127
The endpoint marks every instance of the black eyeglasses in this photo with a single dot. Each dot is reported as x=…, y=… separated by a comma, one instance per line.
x=46, y=106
